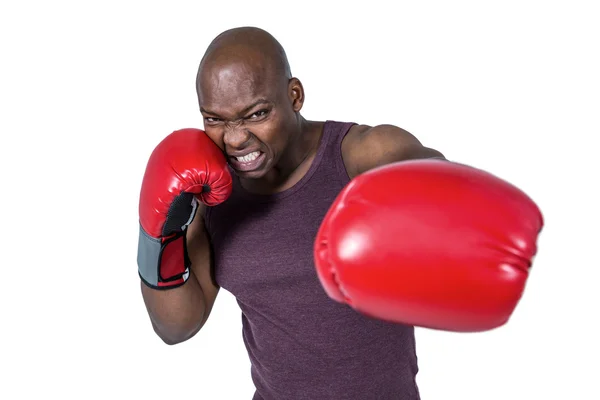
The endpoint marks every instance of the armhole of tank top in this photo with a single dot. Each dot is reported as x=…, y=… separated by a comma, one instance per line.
x=339, y=158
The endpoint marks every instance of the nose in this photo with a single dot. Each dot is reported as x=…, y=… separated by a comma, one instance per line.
x=235, y=136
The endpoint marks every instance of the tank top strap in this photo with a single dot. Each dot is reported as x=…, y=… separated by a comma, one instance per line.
x=334, y=133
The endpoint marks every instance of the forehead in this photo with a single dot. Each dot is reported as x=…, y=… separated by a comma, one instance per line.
x=231, y=87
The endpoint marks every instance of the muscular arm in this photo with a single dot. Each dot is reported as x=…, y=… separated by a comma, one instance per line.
x=366, y=147
x=178, y=314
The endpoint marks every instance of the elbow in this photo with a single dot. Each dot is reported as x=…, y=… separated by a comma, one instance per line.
x=172, y=337
x=171, y=340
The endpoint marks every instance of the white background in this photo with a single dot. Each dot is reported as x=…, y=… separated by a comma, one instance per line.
x=88, y=88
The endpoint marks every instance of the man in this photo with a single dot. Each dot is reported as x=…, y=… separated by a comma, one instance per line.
x=262, y=196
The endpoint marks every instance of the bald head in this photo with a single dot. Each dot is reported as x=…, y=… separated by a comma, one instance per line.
x=247, y=51
x=249, y=100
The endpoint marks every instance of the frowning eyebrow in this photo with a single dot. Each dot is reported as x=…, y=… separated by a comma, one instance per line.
x=242, y=112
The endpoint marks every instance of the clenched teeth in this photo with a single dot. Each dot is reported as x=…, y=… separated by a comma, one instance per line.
x=249, y=157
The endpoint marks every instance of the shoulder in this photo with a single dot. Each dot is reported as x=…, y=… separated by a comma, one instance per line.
x=366, y=147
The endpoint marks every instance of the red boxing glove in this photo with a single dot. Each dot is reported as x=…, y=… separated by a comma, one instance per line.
x=185, y=167
x=429, y=243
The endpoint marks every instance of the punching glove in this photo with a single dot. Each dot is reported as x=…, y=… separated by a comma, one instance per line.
x=429, y=243
x=185, y=167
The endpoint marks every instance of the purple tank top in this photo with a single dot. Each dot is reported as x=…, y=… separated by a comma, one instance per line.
x=302, y=344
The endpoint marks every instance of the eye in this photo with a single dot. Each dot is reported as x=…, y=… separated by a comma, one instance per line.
x=211, y=120
x=258, y=114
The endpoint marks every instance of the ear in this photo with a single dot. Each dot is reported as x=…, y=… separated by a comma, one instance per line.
x=296, y=94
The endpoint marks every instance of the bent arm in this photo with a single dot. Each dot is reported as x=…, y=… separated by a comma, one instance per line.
x=178, y=314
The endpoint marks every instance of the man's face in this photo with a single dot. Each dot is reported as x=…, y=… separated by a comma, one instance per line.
x=248, y=114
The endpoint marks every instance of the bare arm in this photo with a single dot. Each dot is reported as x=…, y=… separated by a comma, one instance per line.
x=366, y=147
x=178, y=314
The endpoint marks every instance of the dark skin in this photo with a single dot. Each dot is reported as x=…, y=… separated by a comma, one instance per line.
x=250, y=102
x=246, y=67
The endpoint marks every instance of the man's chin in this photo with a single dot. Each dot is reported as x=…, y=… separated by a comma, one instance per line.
x=257, y=173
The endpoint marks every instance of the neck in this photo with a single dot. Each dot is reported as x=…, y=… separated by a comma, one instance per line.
x=300, y=147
